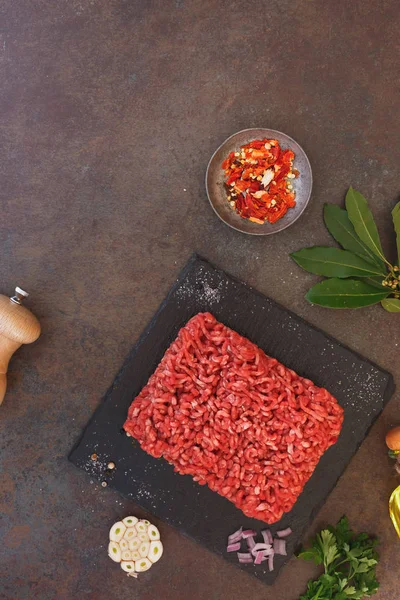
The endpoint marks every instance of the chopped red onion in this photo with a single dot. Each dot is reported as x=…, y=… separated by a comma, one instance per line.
x=265, y=552
x=248, y=533
x=250, y=542
x=271, y=562
x=243, y=558
x=260, y=547
x=280, y=547
x=235, y=537
x=267, y=536
x=233, y=547
x=259, y=552
x=245, y=555
x=284, y=532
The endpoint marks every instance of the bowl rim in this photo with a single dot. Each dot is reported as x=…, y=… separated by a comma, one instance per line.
x=305, y=203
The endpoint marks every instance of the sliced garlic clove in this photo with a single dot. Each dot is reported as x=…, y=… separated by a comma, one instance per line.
x=130, y=533
x=153, y=533
x=141, y=527
x=130, y=521
x=155, y=551
x=267, y=177
x=146, y=522
x=142, y=565
x=117, y=531
x=144, y=549
x=128, y=566
x=144, y=537
x=135, y=555
x=134, y=544
x=126, y=555
x=123, y=544
x=114, y=552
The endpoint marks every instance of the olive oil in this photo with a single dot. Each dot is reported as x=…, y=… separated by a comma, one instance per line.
x=394, y=509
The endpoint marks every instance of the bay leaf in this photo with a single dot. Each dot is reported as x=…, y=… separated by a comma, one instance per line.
x=334, y=262
x=341, y=228
x=345, y=293
x=363, y=221
x=396, y=222
x=391, y=305
x=376, y=282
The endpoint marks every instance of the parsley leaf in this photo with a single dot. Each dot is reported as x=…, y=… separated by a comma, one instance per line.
x=350, y=591
x=349, y=562
x=314, y=554
x=327, y=543
x=341, y=531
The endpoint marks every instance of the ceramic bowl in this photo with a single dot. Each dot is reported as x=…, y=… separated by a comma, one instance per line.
x=217, y=193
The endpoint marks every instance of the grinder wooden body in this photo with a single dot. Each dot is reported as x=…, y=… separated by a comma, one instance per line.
x=17, y=326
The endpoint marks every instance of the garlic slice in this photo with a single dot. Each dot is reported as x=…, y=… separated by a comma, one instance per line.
x=141, y=527
x=128, y=566
x=155, y=551
x=135, y=555
x=130, y=521
x=134, y=543
x=153, y=533
x=130, y=533
x=126, y=555
x=117, y=531
x=123, y=544
x=142, y=565
x=114, y=552
x=144, y=537
x=144, y=549
x=267, y=177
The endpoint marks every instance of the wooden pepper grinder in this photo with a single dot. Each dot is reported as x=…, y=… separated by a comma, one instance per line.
x=17, y=326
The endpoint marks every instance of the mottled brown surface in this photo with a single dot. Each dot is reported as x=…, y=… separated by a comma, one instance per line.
x=110, y=110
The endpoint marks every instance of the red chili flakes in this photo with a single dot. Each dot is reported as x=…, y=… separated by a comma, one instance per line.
x=218, y=408
x=259, y=181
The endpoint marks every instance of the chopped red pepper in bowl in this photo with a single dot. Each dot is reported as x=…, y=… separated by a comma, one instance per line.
x=266, y=172
x=258, y=181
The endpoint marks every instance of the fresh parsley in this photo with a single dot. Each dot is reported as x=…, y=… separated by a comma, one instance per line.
x=349, y=562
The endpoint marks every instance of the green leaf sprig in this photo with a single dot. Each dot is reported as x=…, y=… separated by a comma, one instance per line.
x=359, y=274
x=349, y=562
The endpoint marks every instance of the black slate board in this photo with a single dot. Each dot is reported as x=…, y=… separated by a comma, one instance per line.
x=361, y=387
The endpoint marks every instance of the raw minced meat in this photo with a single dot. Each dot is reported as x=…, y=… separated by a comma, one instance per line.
x=218, y=408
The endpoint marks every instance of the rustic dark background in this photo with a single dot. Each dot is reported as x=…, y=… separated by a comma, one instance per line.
x=109, y=112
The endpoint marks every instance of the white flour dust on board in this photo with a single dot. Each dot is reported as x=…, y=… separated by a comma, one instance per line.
x=202, y=289
x=211, y=294
x=369, y=392
x=143, y=492
x=96, y=464
x=362, y=393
